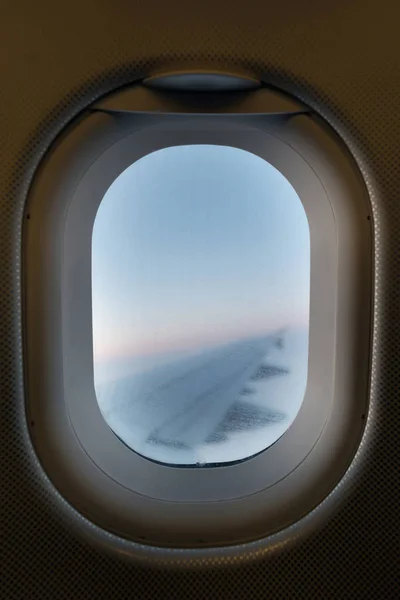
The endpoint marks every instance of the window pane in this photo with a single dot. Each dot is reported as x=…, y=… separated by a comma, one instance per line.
x=200, y=291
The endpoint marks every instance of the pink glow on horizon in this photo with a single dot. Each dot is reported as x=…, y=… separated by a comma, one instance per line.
x=193, y=341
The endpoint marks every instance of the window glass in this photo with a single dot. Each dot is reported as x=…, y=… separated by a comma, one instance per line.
x=200, y=296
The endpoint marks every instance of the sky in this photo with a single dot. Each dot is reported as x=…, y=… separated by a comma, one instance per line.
x=194, y=246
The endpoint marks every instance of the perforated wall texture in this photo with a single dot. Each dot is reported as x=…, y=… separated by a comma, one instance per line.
x=342, y=59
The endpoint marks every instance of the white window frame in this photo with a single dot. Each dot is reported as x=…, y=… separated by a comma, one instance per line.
x=113, y=486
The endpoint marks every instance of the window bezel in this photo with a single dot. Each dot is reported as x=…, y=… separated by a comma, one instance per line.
x=222, y=505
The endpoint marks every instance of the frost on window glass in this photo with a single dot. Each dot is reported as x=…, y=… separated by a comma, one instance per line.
x=200, y=295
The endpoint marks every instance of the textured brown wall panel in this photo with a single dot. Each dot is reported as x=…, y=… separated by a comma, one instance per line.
x=341, y=57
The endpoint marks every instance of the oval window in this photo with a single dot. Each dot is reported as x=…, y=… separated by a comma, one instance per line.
x=200, y=305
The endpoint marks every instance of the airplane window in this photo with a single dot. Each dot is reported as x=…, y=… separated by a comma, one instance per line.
x=200, y=305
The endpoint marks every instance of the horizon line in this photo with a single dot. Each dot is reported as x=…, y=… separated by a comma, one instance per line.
x=128, y=353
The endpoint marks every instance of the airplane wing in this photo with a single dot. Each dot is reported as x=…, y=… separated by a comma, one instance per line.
x=184, y=404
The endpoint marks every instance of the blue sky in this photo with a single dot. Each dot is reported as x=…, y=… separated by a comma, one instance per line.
x=194, y=246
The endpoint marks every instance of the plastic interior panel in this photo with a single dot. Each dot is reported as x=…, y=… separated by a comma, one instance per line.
x=53, y=232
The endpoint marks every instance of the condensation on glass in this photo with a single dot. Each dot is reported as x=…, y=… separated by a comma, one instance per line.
x=200, y=295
